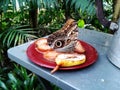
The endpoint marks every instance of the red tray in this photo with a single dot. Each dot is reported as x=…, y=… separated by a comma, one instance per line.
x=37, y=57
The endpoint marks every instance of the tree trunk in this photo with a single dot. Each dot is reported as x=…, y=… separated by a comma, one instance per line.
x=33, y=14
x=67, y=9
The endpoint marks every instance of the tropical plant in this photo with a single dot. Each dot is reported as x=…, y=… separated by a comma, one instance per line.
x=15, y=30
x=24, y=20
x=17, y=35
x=82, y=7
x=19, y=79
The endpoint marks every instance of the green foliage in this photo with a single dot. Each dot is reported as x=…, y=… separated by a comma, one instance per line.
x=21, y=4
x=81, y=9
x=3, y=77
x=50, y=21
x=3, y=86
x=19, y=79
x=82, y=5
x=17, y=35
x=15, y=29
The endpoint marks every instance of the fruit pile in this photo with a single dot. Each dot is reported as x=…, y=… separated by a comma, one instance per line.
x=61, y=59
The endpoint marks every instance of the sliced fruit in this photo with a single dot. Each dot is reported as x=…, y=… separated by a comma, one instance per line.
x=50, y=55
x=42, y=45
x=68, y=60
x=79, y=48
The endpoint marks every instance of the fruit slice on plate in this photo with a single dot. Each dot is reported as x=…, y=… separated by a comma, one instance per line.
x=50, y=55
x=42, y=45
x=68, y=60
x=79, y=48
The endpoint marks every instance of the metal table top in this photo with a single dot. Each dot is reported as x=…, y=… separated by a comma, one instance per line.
x=102, y=75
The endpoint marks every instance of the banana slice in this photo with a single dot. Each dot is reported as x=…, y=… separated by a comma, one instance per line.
x=68, y=60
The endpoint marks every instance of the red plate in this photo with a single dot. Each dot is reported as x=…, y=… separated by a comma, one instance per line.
x=37, y=57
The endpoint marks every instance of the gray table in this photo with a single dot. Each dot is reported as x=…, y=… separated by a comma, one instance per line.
x=102, y=75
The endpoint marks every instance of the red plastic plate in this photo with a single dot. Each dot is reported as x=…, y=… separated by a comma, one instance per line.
x=37, y=57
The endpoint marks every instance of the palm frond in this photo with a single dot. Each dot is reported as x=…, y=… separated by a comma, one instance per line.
x=22, y=4
x=4, y=5
x=17, y=35
x=49, y=3
x=83, y=5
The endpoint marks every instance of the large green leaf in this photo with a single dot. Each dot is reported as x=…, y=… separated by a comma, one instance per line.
x=3, y=86
x=12, y=78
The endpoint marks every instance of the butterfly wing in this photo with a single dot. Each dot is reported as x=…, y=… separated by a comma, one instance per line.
x=64, y=39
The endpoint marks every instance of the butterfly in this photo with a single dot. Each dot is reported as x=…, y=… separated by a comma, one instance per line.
x=64, y=40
